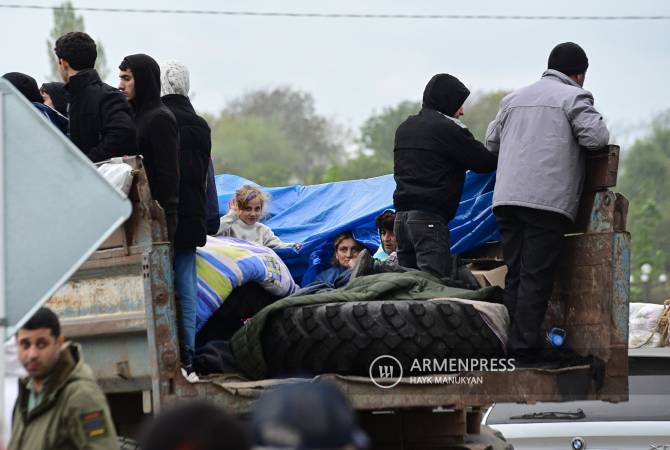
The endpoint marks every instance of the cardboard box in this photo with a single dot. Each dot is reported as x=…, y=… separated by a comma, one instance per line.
x=492, y=277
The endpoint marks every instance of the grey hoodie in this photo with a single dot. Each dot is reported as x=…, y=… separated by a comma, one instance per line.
x=539, y=134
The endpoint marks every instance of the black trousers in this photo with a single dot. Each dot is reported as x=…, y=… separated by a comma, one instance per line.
x=423, y=242
x=532, y=241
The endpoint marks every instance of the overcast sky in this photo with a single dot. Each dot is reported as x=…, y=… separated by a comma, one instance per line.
x=354, y=67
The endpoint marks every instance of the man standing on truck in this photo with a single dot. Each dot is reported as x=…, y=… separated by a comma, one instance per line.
x=195, y=145
x=539, y=134
x=432, y=152
x=157, y=132
x=60, y=405
x=101, y=123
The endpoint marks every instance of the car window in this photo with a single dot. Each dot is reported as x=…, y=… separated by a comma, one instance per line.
x=649, y=397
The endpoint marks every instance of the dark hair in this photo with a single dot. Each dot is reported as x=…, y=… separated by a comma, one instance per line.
x=385, y=221
x=336, y=242
x=198, y=425
x=44, y=318
x=78, y=49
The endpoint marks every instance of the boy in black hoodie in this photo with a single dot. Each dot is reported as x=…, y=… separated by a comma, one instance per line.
x=157, y=132
x=158, y=143
x=432, y=152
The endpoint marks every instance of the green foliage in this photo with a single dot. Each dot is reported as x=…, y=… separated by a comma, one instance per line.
x=378, y=131
x=315, y=141
x=645, y=181
x=253, y=147
x=375, y=154
x=65, y=21
x=480, y=109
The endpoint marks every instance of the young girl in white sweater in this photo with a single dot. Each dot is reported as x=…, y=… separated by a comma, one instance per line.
x=242, y=219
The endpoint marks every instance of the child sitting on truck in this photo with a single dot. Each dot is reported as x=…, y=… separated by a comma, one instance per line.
x=247, y=208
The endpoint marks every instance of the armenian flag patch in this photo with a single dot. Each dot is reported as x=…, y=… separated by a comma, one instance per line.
x=94, y=424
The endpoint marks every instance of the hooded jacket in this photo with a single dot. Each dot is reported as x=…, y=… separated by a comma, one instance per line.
x=101, y=123
x=433, y=151
x=59, y=96
x=157, y=136
x=28, y=87
x=195, y=147
x=540, y=133
x=72, y=415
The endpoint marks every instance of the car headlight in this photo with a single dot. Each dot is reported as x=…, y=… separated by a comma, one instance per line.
x=578, y=443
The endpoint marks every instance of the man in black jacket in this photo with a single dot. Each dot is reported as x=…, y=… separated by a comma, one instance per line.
x=432, y=152
x=194, y=156
x=101, y=123
x=157, y=133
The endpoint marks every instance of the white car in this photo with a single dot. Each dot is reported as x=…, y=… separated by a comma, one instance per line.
x=641, y=423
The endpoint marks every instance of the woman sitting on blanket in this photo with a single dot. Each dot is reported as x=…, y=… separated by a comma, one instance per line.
x=242, y=219
x=346, y=251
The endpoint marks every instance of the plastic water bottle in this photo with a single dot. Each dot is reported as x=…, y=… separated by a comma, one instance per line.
x=556, y=336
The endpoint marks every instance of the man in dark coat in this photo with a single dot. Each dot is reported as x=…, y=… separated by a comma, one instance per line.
x=157, y=133
x=194, y=155
x=432, y=152
x=101, y=123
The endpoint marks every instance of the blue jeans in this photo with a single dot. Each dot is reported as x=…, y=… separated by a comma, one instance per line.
x=186, y=283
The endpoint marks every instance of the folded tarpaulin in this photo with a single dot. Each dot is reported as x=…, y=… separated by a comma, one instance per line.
x=315, y=214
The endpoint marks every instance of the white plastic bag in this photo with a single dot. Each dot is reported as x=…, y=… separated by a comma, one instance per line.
x=119, y=174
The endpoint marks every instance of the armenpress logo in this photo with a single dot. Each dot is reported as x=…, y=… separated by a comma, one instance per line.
x=385, y=371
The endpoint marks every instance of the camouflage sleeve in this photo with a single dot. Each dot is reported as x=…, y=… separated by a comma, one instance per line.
x=88, y=420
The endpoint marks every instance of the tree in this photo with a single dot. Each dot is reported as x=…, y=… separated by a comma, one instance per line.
x=253, y=147
x=645, y=180
x=65, y=21
x=378, y=131
x=316, y=141
x=480, y=109
x=374, y=156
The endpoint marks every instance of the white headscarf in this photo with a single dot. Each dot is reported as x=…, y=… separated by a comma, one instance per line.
x=174, y=79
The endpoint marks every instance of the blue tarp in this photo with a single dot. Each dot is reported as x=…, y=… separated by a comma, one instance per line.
x=315, y=214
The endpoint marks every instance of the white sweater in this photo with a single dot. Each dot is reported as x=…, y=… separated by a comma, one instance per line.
x=231, y=225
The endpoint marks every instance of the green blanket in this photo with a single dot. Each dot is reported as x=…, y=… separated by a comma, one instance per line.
x=246, y=343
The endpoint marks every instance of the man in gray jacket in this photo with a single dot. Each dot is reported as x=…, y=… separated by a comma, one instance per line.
x=541, y=134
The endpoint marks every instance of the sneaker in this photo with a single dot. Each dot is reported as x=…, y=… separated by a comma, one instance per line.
x=189, y=373
x=364, y=265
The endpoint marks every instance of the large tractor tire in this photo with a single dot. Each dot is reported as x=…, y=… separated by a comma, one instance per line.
x=347, y=337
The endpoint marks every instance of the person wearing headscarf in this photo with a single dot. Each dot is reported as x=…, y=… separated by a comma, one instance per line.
x=195, y=146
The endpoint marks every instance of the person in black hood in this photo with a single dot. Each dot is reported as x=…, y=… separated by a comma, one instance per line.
x=101, y=123
x=28, y=87
x=157, y=132
x=55, y=96
x=432, y=152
